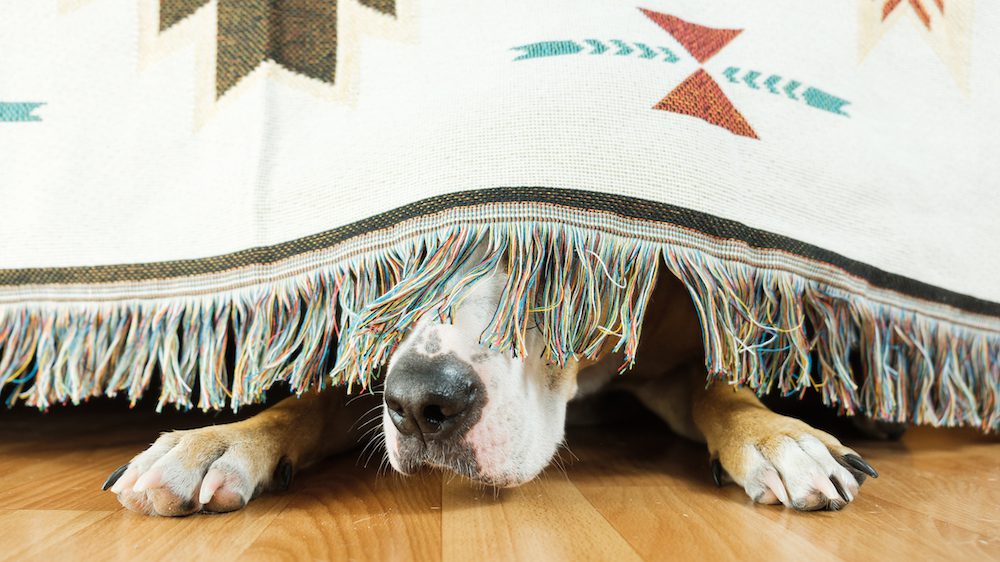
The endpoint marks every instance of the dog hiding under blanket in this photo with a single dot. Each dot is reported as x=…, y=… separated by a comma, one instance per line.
x=450, y=402
x=462, y=215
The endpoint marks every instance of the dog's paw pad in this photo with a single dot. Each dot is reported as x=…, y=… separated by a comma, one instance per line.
x=801, y=472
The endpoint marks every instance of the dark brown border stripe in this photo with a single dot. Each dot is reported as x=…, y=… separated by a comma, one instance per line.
x=628, y=207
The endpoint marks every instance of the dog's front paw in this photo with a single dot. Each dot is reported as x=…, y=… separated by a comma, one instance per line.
x=795, y=465
x=213, y=469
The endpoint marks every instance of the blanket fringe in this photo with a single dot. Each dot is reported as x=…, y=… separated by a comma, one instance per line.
x=583, y=289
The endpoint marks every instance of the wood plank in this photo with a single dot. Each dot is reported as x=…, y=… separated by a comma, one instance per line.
x=926, y=504
x=957, y=481
x=26, y=533
x=124, y=535
x=882, y=529
x=546, y=519
x=635, y=492
x=671, y=523
x=339, y=511
x=79, y=474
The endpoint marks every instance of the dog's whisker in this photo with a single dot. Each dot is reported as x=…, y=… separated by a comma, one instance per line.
x=373, y=445
x=564, y=445
x=363, y=395
x=368, y=443
x=368, y=438
x=561, y=466
x=370, y=411
x=369, y=431
x=378, y=444
x=362, y=454
x=371, y=455
x=364, y=418
x=368, y=434
x=369, y=422
x=384, y=465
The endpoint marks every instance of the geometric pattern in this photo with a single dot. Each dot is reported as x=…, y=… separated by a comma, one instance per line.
x=948, y=30
x=700, y=95
x=918, y=9
x=299, y=35
x=11, y=112
x=701, y=41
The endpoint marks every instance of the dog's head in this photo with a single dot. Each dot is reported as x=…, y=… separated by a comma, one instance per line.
x=451, y=402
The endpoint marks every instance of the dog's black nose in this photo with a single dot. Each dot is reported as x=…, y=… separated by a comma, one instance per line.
x=430, y=397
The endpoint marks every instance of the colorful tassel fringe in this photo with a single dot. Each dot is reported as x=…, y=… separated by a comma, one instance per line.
x=582, y=287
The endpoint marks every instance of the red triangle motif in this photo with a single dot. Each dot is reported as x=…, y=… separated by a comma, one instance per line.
x=700, y=96
x=702, y=42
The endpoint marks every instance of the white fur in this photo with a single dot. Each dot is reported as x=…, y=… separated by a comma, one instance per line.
x=797, y=474
x=523, y=420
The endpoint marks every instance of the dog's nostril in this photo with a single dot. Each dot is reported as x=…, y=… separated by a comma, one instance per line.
x=434, y=415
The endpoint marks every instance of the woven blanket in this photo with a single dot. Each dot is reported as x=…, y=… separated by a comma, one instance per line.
x=292, y=183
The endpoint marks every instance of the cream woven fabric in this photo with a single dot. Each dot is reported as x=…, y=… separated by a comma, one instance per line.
x=229, y=168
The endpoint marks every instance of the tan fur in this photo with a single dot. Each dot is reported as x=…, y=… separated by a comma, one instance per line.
x=300, y=429
x=671, y=382
x=731, y=418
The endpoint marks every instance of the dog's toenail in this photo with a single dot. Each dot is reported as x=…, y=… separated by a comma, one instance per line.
x=859, y=463
x=114, y=476
x=717, y=472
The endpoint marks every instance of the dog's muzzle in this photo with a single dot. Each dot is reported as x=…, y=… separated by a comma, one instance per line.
x=433, y=399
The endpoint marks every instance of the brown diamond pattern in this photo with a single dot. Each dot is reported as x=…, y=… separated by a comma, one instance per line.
x=300, y=35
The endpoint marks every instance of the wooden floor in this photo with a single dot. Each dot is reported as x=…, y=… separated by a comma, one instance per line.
x=633, y=492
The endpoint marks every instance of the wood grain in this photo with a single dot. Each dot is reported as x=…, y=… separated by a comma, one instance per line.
x=341, y=511
x=548, y=517
x=633, y=492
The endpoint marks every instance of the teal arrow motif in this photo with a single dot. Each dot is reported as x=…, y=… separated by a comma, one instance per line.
x=647, y=53
x=772, y=83
x=623, y=49
x=671, y=57
x=827, y=102
x=730, y=73
x=597, y=46
x=547, y=49
x=790, y=88
x=749, y=78
x=19, y=111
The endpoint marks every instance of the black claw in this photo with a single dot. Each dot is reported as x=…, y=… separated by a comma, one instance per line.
x=840, y=489
x=283, y=474
x=717, y=472
x=114, y=477
x=859, y=463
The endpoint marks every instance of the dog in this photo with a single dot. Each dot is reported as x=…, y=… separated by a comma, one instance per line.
x=450, y=402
